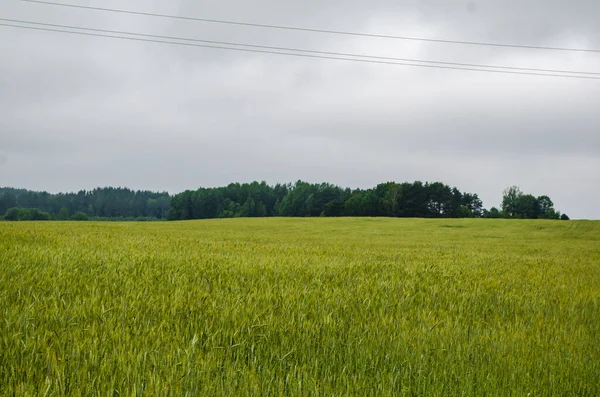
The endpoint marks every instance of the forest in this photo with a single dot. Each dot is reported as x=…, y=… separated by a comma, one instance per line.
x=303, y=199
x=101, y=203
x=259, y=199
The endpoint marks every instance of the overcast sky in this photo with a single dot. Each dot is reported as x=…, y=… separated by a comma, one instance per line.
x=81, y=112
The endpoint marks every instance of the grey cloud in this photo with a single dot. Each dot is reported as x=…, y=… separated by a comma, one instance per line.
x=79, y=112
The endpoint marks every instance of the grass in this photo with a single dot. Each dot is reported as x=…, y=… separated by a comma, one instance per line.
x=302, y=307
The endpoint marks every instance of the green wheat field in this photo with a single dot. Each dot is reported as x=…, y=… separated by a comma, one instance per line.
x=300, y=307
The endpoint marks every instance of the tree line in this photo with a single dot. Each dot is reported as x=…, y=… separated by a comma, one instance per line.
x=516, y=204
x=303, y=199
x=100, y=203
x=258, y=199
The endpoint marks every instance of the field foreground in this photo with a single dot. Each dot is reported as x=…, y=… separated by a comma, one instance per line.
x=325, y=307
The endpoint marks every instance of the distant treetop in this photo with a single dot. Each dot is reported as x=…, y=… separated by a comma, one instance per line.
x=258, y=199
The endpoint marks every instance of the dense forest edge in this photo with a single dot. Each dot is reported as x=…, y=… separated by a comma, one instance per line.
x=258, y=199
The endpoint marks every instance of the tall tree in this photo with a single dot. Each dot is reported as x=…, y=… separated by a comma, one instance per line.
x=63, y=214
x=527, y=207
x=546, y=207
x=7, y=200
x=510, y=201
x=473, y=203
x=440, y=199
x=391, y=198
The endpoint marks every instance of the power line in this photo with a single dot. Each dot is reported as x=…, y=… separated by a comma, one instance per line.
x=298, y=55
x=299, y=50
x=338, y=32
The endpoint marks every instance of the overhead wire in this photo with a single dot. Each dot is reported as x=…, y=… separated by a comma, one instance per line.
x=332, y=53
x=302, y=55
x=313, y=30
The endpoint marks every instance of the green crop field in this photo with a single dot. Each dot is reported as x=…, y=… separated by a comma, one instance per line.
x=301, y=307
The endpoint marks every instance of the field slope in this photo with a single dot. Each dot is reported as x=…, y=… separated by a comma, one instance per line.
x=328, y=307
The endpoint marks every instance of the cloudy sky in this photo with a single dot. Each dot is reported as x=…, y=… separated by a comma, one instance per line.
x=79, y=112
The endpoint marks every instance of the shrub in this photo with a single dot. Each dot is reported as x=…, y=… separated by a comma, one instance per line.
x=26, y=214
x=79, y=216
x=12, y=214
